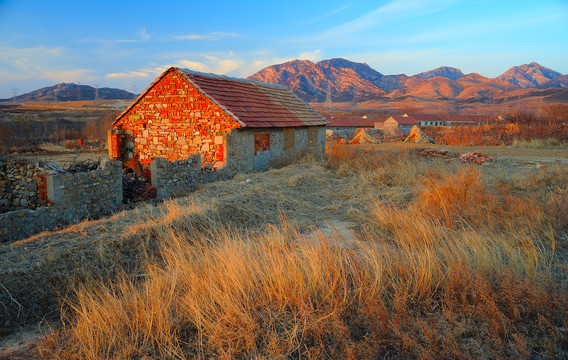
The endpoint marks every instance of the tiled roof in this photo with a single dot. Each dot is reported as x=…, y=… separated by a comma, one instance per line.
x=404, y=120
x=255, y=104
x=353, y=122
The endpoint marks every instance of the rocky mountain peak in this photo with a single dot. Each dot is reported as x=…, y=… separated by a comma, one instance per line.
x=443, y=71
x=529, y=75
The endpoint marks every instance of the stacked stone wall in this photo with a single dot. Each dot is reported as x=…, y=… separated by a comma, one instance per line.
x=22, y=185
x=175, y=178
x=173, y=121
x=72, y=198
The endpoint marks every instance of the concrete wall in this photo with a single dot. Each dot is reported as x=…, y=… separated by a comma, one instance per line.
x=74, y=197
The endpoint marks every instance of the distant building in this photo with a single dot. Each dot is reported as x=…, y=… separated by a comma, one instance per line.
x=426, y=119
x=450, y=120
x=397, y=125
x=346, y=127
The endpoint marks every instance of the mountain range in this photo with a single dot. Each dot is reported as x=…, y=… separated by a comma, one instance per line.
x=352, y=81
x=72, y=92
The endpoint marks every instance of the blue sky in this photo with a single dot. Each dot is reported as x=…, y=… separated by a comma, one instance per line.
x=126, y=44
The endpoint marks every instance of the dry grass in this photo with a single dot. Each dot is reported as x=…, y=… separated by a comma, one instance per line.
x=451, y=261
x=459, y=265
x=550, y=143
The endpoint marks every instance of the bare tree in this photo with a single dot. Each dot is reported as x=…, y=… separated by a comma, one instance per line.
x=6, y=135
x=34, y=131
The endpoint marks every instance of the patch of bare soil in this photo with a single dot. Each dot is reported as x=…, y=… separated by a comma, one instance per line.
x=17, y=345
x=64, y=159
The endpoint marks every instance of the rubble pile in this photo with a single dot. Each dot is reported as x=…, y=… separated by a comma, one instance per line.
x=434, y=153
x=476, y=157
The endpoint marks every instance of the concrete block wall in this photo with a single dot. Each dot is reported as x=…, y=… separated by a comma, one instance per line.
x=73, y=197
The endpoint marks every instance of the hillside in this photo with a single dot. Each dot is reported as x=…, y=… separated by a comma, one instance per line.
x=72, y=92
x=352, y=81
x=346, y=80
x=528, y=75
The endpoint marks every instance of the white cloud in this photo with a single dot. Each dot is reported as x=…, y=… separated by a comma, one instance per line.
x=143, y=36
x=212, y=36
x=326, y=15
x=194, y=65
x=390, y=12
x=128, y=74
x=39, y=62
x=311, y=55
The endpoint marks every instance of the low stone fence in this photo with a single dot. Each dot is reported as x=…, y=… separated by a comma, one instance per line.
x=65, y=198
x=22, y=185
x=175, y=178
x=73, y=197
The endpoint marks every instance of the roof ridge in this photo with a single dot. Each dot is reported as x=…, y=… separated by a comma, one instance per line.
x=225, y=77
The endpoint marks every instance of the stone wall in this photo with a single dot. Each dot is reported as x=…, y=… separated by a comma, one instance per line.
x=243, y=157
x=175, y=178
x=22, y=185
x=73, y=197
x=173, y=121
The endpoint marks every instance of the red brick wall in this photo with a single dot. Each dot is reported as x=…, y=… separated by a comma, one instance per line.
x=174, y=120
x=261, y=142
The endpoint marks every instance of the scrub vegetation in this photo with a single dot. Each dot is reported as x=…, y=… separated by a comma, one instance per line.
x=447, y=260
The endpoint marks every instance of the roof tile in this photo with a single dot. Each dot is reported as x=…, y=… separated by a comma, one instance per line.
x=256, y=104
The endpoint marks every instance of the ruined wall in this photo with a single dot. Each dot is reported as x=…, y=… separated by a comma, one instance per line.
x=175, y=178
x=73, y=197
x=22, y=185
x=173, y=121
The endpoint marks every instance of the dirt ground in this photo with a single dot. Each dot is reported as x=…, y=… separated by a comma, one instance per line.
x=514, y=156
x=64, y=159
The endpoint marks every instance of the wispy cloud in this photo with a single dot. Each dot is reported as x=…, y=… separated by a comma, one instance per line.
x=39, y=62
x=143, y=36
x=212, y=36
x=218, y=63
x=311, y=55
x=326, y=15
x=213, y=63
x=127, y=75
x=390, y=12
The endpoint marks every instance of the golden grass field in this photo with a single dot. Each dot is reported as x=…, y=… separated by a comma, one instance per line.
x=443, y=260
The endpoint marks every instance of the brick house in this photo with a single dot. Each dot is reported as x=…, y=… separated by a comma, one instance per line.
x=231, y=123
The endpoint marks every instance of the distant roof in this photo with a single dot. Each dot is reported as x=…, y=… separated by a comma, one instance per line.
x=353, y=122
x=404, y=120
x=251, y=103
x=425, y=117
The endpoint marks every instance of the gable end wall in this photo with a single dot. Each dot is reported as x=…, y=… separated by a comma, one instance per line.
x=174, y=120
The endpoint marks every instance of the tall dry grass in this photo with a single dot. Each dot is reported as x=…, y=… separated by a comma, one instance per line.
x=460, y=266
